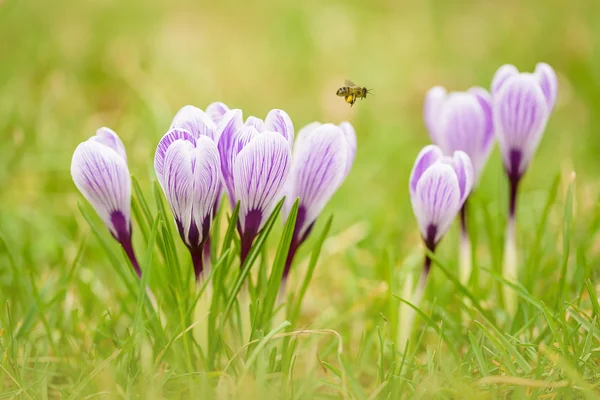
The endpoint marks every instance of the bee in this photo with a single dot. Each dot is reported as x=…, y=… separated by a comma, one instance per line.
x=351, y=91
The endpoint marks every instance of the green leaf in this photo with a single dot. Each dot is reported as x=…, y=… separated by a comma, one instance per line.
x=252, y=255
x=295, y=312
x=568, y=217
x=278, y=266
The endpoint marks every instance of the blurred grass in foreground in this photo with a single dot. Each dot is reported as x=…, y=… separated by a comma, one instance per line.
x=69, y=67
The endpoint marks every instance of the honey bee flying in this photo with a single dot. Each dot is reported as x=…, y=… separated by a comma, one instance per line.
x=351, y=91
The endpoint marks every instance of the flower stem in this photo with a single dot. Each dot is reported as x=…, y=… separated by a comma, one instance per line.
x=128, y=248
x=245, y=246
x=198, y=262
x=465, y=247
x=510, y=250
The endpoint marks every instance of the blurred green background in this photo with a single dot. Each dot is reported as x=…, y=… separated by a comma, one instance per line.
x=68, y=67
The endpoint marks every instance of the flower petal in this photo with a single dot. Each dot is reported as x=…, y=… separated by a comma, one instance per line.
x=501, y=76
x=548, y=82
x=485, y=101
x=109, y=138
x=461, y=163
x=207, y=186
x=429, y=155
x=279, y=121
x=179, y=183
x=434, y=101
x=350, y=135
x=436, y=200
x=256, y=123
x=163, y=146
x=260, y=170
x=318, y=169
x=216, y=111
x=101, y=175
x=520, y=116
x=195, y=121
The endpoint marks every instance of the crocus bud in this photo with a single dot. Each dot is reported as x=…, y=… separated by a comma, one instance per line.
x=439, y=185
x=322, y=158
x=99, y=170
x=461, y=121
x=255, y=163
x=187, y=169
x=522, y=103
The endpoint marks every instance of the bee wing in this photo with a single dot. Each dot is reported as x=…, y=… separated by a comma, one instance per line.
x=348, y=82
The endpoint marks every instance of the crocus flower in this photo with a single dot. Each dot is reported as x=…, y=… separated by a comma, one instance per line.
x=439, y=186
x=322, y=158
x=202, y=123
x=255, y=163
x=462, y=121
x=99, y=170
x=187, y=169
x=522, y=103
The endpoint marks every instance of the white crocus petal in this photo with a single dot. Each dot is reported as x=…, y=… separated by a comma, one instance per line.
x=318, y=169
x=179, y=183
x=436, y=201
x=427, y=157
x=502, y=75
x=434, y=101
x=109, y=138
x=163, y=146
x=260, y=170
x=195, y=121
x=280, y=121
x=216, y=111
x=101, y=175
x=350, y=136
x=520, y=116
x=548, y=82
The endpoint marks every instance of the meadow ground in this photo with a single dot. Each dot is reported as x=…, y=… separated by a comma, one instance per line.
x=72, y=324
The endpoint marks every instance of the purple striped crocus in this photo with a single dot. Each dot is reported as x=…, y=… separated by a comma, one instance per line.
x=462, y=121
x=202, y=123
x=322, y=158
x=438, y=185
x=522, y=103
x=255, y=163
x=99, y=170
x=187, y=169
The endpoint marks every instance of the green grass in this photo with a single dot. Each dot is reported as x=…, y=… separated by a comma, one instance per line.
x=76, y=323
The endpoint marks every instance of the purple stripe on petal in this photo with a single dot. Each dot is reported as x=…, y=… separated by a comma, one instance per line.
x=102, y=176
x=163, y=145
x=501, y=76
x=425, y=159
x=195, y=121
x=260, y=170
x=434, y=101
x=279, y=121
x=548, y=82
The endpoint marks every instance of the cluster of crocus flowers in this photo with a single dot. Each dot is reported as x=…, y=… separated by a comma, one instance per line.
x=515, y=113
x=462, y=121
x=206, y=154
x=522, y=103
